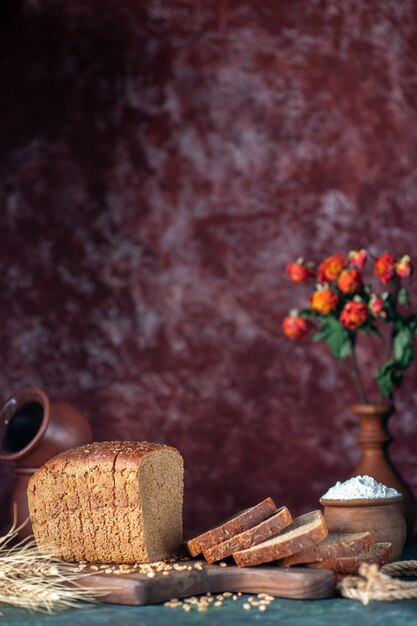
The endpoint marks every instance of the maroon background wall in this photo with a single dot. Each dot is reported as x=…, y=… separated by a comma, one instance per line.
x=160, y=164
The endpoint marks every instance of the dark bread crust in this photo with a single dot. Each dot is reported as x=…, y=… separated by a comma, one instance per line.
x=262, y=531
x=237, y=524
x=379, y=553
x=99, y=452
x=334, y=546
x=306, y=531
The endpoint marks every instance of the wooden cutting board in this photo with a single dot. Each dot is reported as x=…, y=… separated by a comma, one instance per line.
x=137, y=589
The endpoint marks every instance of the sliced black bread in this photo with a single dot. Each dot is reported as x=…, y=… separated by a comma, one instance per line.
x=335, y=545
x=233, y=526
x=262, y=531
x=304, y=532
x=379, y=553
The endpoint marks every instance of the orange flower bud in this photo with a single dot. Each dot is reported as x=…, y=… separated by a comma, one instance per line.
x=330, y=268
x=294, y=327
x=377, y=307
x=349, y=281
x=385, y=267
x=404, y=267
x=298, y=272
x=353, y=315
x=358, y=258
x=324, y=301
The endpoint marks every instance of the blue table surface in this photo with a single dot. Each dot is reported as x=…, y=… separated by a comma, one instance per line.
x=281, y=611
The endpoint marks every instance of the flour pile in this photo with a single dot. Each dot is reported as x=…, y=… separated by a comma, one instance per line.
x=360, y=488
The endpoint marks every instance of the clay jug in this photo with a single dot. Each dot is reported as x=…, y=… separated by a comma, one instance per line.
x=374, y=439
x=33, y=429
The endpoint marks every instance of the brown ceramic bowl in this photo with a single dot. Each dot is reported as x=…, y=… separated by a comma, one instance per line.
x=382, y=517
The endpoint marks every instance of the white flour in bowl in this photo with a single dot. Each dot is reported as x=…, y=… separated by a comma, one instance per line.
x=359, y=488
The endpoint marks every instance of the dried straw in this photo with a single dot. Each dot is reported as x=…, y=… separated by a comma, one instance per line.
x=36, y=581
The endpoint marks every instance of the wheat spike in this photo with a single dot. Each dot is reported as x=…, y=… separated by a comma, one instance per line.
x=36, y=581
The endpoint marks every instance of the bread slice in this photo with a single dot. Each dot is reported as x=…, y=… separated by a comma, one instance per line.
x=266, y=529
x=335, y=545
x=110, y=502
x=379, y=553
x=233, y=526
x=304, y=532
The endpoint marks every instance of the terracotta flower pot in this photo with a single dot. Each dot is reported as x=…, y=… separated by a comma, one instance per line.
x=33, y=429
x=374, y=439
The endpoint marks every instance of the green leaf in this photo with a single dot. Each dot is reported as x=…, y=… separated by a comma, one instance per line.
x=374, y=331
x=403, y=297
x=397, y=377
x=412, y=323
x=346, y=349
x=304, y=313
x=390, y=375
x=321, y=334
x=337, y=338
x=403, y=347
x=371, y=329
x=389, y=308
x=384, y=378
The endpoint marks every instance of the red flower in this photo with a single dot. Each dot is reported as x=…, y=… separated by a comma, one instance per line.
x=404, y=267
x=298, y=272
x=330, y=268
x=377, y=307
x=294, y=327
x=353, y=315
x=358, y=258
x=349, y=281
x=324, y=301
x=385, y=267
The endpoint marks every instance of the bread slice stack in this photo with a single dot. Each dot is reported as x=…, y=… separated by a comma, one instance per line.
x=305, y=531
x=343, y=553
x=233, y=526
x=265, y=534
x=379, y=553
x=258, y=535
x=335, y=546
x=251, y=537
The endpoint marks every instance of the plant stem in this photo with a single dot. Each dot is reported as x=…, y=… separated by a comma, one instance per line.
x=394, y=304
x=356, y=376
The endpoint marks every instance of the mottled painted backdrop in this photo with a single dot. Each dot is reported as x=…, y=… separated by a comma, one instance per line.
x=161, y=161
